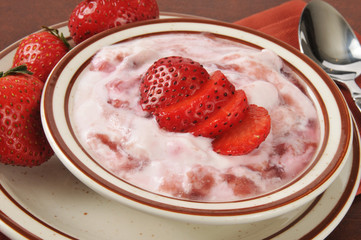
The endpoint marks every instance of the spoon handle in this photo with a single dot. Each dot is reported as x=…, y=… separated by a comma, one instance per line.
x=355, y=91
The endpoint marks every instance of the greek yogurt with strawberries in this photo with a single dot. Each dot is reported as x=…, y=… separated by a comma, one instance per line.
x=110, y=123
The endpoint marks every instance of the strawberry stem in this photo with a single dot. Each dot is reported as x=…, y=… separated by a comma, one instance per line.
x=58, y=34
x=19, y=69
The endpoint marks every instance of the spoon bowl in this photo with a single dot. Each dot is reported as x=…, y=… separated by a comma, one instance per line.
x=326, y=37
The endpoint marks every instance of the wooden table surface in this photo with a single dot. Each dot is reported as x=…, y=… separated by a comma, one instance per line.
x=19, y=18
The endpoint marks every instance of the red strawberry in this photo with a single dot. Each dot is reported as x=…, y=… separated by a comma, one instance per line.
x=41, y=51
x=22, y=140
x=182, y=97
x=146, y=9
x=90, y=17
x=224, y=118
x=198, y=107
x=170, y=80
x=245, y=136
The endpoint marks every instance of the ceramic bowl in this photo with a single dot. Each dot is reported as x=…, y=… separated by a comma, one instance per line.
x=334, y=120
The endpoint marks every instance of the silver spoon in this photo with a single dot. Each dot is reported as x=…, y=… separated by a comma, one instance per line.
x=326, y=37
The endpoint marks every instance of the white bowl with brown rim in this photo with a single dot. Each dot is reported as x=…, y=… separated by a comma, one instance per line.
x=333, y=119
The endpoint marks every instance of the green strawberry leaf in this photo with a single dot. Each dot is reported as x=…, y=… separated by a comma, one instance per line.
x=57, y=34
x=19, y=69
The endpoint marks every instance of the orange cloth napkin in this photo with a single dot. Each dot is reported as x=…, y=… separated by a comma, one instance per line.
x=282, y=22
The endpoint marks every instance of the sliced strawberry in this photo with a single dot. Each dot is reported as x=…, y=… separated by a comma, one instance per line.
x=196, y=108
x=169, y=80
x=224, y=118
x=245, y=136
x=182, y=97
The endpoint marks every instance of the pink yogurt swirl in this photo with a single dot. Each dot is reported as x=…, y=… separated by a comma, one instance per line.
x=111, y=125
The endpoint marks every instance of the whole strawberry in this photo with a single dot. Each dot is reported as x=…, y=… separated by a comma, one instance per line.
x=90, y=17
x=146, y=9
x=22, y=140
x=41, y=51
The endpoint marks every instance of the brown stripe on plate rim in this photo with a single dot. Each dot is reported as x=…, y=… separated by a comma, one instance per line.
x=22, y=230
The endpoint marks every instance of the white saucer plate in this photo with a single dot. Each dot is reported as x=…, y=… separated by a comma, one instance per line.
x=48, y=202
